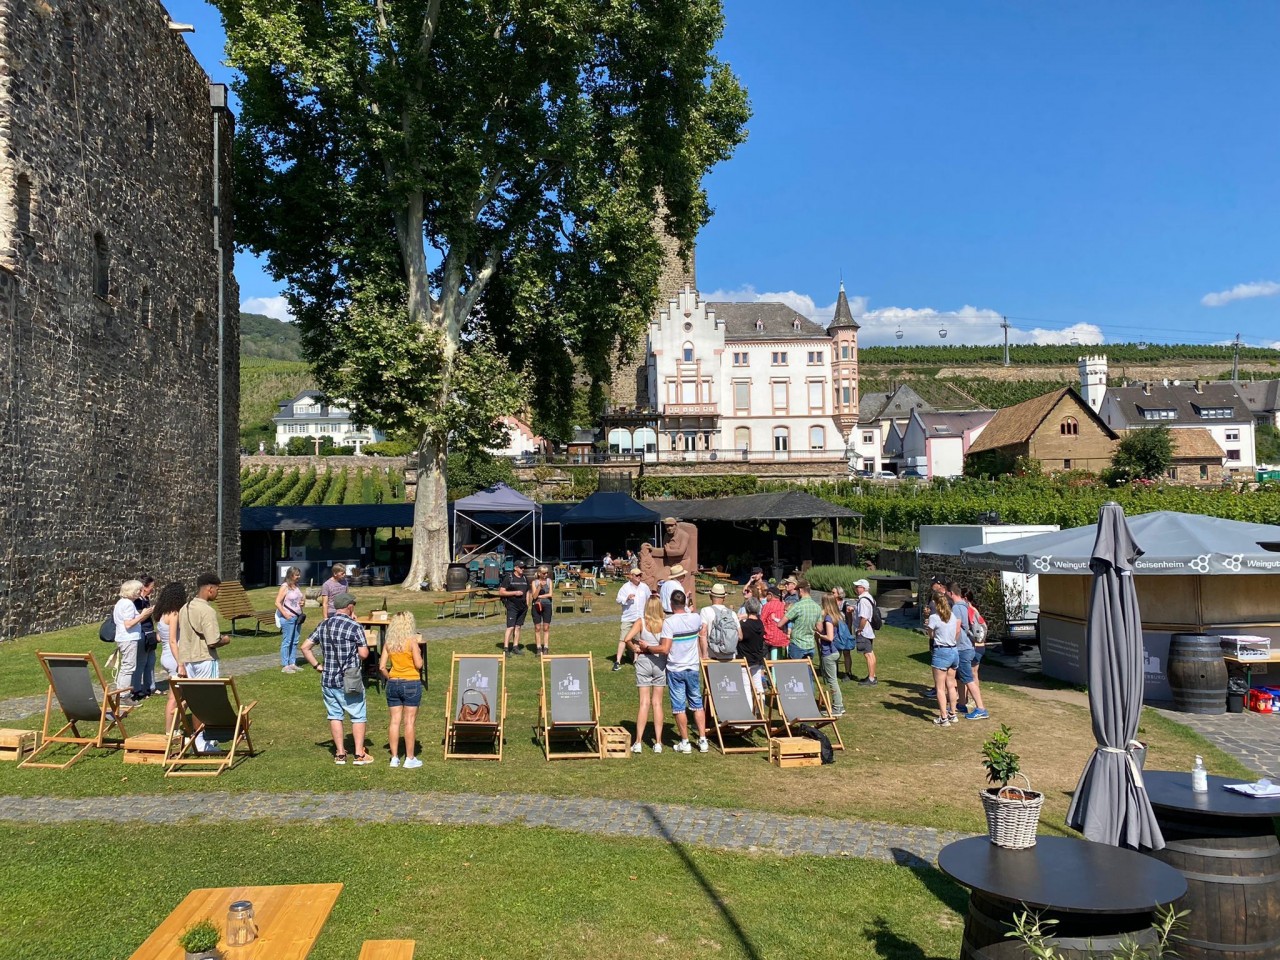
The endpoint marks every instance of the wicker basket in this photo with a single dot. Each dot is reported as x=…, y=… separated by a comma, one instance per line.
x=1012, y=822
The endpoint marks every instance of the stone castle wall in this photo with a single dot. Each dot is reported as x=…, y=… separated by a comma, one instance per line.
x=109, y=300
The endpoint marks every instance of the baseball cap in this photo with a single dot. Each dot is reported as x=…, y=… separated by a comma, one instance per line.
x=864, y=584
x=757, y=571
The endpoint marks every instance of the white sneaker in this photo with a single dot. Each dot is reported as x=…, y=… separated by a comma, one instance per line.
x=683, y=747
x=657, y=746
x=395, y=761
x=637, y=747
x=413, y=763
x=703, y=746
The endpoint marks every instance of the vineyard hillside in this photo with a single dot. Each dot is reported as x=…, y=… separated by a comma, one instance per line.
x=308, y=486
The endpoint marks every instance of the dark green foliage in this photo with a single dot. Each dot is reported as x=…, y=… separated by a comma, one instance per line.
x=315, y=495
x=1143, y=454
x=390, y=448
x=337, y=488
x=1001, y=762
x=269, y=338
x=1268, y=443
x=476, y=470
x=650, y=487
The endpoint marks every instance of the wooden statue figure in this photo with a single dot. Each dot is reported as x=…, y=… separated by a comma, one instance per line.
x=680, y=546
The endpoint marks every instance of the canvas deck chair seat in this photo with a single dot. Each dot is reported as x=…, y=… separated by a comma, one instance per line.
x=212, y=709
x=71, y=679
x=736, y=712
x=569, y=707
x=475, y=707
x=798, y=698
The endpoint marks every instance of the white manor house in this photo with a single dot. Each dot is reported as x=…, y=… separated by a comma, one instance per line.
x=747, y=381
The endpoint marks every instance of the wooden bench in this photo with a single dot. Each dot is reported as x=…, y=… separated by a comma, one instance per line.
x=387, y=950
x=484, y=606
x=233, y=604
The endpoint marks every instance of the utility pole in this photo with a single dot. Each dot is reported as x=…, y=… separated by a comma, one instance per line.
x=1004, y=325
x=1235, y=362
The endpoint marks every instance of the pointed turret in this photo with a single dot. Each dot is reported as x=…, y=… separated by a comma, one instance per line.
x=844, y=316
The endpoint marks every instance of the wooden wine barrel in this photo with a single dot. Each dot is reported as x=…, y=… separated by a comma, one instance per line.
x=1075, y=936
x=1197, y=673
x=1233, y=885
x=456, y=577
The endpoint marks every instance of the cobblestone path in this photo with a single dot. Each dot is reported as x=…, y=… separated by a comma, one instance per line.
x=734, y=830
x=1252, y=738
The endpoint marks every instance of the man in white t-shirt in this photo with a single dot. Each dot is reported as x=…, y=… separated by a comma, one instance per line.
x=721, y=644
x=670, y=586
x=632, y=596
x=684, y=641
x=863, y=636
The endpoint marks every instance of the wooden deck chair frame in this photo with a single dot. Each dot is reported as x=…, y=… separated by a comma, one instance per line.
x=735, y=730
x=105, y=714
x=457, y=733
x=180, y=756
x=823, y=701
x=584, y=733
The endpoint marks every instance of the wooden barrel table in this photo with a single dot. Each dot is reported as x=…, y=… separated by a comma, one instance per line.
x=1225, y=844
x=1197, y=673
x=1098, y=894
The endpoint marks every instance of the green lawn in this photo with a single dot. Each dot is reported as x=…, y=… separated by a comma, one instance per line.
x=897, y=767
x=473, y=893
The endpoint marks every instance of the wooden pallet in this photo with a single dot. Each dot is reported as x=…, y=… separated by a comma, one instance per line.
x=788, y=752
x=17, y=745
x=615, y=743
x=145, y=748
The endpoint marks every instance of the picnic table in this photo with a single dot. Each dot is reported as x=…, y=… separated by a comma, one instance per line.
x=289, y=918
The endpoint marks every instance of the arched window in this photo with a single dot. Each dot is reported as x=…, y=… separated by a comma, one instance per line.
x=101, y=267
x=144, y=308
x=742, y=438
x=619, y=440
x=686, y=352
x=1069, y=427
x=781, y=439
x=817, y=438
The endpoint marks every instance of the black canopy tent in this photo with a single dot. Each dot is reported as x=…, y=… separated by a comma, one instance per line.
x=613, y=516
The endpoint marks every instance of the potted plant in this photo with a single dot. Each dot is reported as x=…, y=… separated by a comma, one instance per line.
x=200, y=940
x=1012, y=812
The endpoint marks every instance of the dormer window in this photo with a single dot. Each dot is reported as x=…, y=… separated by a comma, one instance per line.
x=795, y=324
x=759, y=326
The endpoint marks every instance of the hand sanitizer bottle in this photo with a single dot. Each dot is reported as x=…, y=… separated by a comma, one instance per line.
x=1199, y=777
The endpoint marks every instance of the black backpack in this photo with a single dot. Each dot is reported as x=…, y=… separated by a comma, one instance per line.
x=813, y=733
x=877, y=620
x=107, y=632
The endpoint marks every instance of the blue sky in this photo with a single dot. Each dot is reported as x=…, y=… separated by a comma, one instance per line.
x=1098, y=171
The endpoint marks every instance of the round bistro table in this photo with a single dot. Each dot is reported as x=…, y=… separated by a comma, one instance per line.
x=1098, y=894
x=1224, y=843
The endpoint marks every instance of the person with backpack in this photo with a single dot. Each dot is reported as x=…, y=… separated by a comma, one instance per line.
x=845, y=642
x=968, y=656
x=723, y=628
x=868, y=621
x=828, y=655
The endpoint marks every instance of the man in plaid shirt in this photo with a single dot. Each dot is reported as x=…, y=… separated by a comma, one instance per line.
x=343, y=644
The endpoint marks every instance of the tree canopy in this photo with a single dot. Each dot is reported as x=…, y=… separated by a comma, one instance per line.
x=461, y=196
x=1143, y=454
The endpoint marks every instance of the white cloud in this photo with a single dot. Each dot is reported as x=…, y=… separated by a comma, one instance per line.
x=1241, y=291
x=277, y=307
x=969, y=325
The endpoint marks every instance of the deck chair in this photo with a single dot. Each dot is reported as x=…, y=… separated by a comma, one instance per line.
x=736, y=710
x=211, y=707
x=71, y=678
x=477, y=683
x=799, y=699
x=569, y=706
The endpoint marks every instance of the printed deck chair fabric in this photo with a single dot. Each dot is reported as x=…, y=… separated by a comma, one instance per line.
x=569, y=706
x=71, y=678
x=211, y=708
x=736, y=710
x=475, y=707
x=799, y=699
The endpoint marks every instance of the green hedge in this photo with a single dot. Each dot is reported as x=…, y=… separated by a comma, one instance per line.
x=824, y=577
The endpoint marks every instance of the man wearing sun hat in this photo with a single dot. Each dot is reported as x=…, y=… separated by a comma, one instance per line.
x=863, y=636
x=670, y=585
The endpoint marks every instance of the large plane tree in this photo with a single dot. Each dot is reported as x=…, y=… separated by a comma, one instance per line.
x=461, y=196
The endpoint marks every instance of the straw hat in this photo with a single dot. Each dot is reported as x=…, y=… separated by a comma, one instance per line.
x=676, y=572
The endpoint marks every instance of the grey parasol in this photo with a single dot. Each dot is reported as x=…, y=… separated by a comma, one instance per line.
x=1110, y=803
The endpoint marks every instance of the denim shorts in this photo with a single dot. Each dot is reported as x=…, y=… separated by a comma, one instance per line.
x=336, y=703
x=685, y=687
x=979, y=651
x=945, y=658
x=964, y=666
x=404, y=693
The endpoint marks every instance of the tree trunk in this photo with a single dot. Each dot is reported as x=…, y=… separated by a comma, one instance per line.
x=430, y=520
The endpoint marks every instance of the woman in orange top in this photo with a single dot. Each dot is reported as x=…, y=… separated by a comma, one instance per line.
x=775, y=638
x=401, y=667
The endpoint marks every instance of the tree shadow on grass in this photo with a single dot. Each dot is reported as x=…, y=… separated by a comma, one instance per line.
x=910, y=708
x=730, y=918
x=890, y=945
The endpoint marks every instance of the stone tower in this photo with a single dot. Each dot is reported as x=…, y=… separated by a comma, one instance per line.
x=1093, y=380
x=630, y=387
x=844, y=367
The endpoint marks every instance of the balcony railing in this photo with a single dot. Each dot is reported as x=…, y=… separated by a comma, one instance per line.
x=691, y=410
